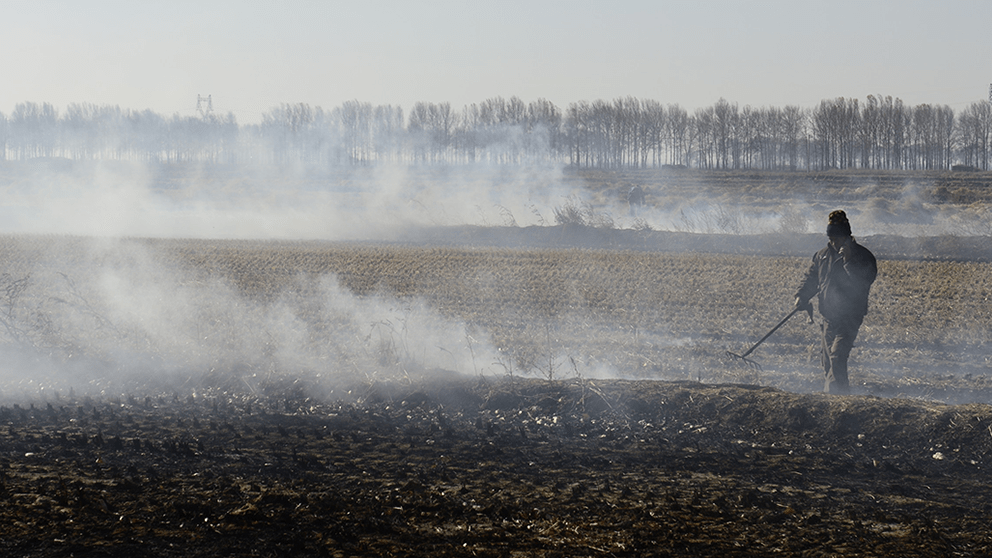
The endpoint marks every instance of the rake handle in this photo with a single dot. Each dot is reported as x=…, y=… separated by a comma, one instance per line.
x=774, y=329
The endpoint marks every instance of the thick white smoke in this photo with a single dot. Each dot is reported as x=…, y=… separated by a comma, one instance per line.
x=114, y=318
x=106, y=199
x=114, y=315
x=123, y=199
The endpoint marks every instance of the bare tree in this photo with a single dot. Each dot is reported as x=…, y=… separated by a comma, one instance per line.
x=577, y=133
x=293, y=132
x=355, y=119
x=932, y=137
x=683, y=132
x=877, y=133
x=544, y=130
x=3, y=137
x=34, y=130
x=974, y=128
x=834, y=128
x=431, y=130
x=724, y=128
x=706, y=151
x=387, y=131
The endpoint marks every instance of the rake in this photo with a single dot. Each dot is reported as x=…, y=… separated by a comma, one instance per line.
x=754, y=364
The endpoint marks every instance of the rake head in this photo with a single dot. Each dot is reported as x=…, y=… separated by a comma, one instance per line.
x=745, y=360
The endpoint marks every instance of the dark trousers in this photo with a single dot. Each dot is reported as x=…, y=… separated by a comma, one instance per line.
x=838, y=340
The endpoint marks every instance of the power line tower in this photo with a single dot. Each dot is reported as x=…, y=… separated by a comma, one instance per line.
x=205, y=105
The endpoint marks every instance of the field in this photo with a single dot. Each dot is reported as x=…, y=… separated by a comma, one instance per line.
x=455, y=395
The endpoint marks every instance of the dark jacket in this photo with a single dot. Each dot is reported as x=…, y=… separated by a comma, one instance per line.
x=841, y=287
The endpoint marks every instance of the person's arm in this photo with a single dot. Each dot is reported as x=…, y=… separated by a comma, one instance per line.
x=859, y=263
x=809, y=286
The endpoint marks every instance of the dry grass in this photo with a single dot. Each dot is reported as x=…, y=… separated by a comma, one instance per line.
x=552, y=313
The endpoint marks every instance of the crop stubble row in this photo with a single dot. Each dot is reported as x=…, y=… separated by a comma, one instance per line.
x=643, y=314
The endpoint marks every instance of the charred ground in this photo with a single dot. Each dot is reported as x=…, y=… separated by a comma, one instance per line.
x=471, y=467
x=431, y=462
x=257, y=460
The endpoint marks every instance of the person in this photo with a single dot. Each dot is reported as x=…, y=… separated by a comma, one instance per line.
x=635, y=199
x=840, y=277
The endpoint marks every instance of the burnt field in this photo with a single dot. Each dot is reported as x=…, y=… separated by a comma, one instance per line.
x=204, y=398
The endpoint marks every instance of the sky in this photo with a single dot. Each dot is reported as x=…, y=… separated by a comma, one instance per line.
x=251, y=56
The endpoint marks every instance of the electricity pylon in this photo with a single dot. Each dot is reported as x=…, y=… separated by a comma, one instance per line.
x=205, y=105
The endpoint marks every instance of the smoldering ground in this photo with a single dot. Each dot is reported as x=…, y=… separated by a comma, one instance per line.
x=107, y=199
x=202, y=200
x=109, y=315
x=462, y=464
x=105, y=313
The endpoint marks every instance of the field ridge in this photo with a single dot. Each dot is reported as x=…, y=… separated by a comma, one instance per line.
x=571, y=236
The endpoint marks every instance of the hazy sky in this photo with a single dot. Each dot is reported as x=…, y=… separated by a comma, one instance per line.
x=251, y=56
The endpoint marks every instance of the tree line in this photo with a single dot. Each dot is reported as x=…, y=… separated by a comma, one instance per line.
x=879, y=132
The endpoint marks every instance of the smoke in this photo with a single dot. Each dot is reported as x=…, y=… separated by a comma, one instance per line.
x=107, y=199
x=910, y=210
x=102, y=313
x=106, y=314
x=110, y=317
x=386, y=202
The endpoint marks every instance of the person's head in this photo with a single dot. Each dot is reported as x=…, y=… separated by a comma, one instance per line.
x=838, y=228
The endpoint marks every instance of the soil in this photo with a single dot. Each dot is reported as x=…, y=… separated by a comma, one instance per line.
x=440, y=464
x=469, y=466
